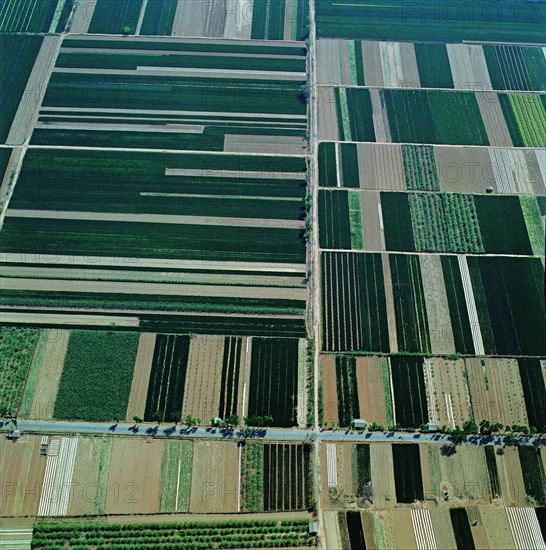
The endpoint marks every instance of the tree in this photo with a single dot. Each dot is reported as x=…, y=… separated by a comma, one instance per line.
x=457, y=436
x=232, y=420
x=137, y=420
x=470, y=427
x=158, y=417
x=175, y=417
x=189, y=421
x=248, y=432
x=127, y=29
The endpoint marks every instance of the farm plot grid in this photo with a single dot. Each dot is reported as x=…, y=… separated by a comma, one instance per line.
x=473, y=67
x=205, y=96
x=279, y=20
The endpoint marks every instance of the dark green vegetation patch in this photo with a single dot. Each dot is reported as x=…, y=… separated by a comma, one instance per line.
x=534, y=391
x=353, y=298
x=407, y=473
x=362, y=473
x=506, y=21
x=534, y=478
x=492, y=471
x=97, y=375
x=167, y=377
x=43, y=16
x=274, y=380
x=420, y=168
x=409, y=390
x=347, y=392
x=115, y=17
x=461, y=529
x=287, y=477
x=334, y=223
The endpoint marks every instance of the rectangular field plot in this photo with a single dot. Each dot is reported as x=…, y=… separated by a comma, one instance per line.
x=409, y=391
x=287, y=481
x=171, y=236
x=115, y=16
x=100, y=360
x=407, y=473
x=353, y=301
x=273, y=389
x=36, y=16
x=386, y=20
x=240, y=98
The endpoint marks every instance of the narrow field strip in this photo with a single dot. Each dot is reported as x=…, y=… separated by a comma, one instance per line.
x=113, y=127
x=471, y=306
x=331, y=458
x=52, y=260
x=156, y=218
x=241, y=174
x=61, y=319
x=124, y=287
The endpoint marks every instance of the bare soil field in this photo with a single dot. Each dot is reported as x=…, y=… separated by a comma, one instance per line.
x=134, y=478
x=331, y=529
x=215, y=483
x=141, y=376
x=371, y=390
x=389, y=299
x=329, y=389
x=496, y=391
x=381, y=167
x=327, y=114
x=468, y=67
x=21, y=475
x=382, y=472
x=329, y=63
x=203, y=377
x=493, y=119
x=511, y=477
x=281, y=145
x=47, y=380
x=370, y=205
x=437, y=307
x=447, y=391
x=496, y=527
x=443, y=528
x=82, y=16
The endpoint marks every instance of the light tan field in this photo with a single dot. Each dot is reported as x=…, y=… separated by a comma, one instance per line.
x=447, y=391
x=21, y=475
x=382, y=472
x=370, y=205
x=511, y=477
x=327, y=114
x=203, y=377
x=493, y=119
x=133, y=481
x=496, y=391
x=496, y=527
x=371, y=391
x=214, y=483
x=329, y=389
x=381, y=167
x=50, y=371
x=389, y=299
x=141, y=376
x=443, y=528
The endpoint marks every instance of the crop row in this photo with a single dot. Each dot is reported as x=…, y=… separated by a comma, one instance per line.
x=420, y=168
x=231, y=366
x=347, y=394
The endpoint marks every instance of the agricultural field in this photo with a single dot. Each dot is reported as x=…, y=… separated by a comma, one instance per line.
x=35, y=16
x=280, y=20
x=431, y=65
x=198, y=534
x=17, y=346
x=407, y=473
x=206, y=96
x=96, y=377
x=512, y=22
x=393, y=167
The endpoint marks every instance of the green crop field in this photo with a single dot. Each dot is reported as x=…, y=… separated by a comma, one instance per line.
x=420, y=168
x=17, y=346
x=115, y=16
x=17, y=57
x=334, y=221
x=159, y=17
x=252, y=473
x=409, y=304
x=97, y=375
x=530, y=115
x=176, y=466
x=507, y=21
x=43, y=16
x=397, y=221
x=433, y=65
x=135, y=536
x=534, y=391
x=347, y=393
x=353, y=301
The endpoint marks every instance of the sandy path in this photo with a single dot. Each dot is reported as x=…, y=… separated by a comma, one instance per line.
x=145, y=276
x=82, y=16
x=141, y=376
x=150, y=262
x=153, y=288
x=31, y=100
x=282, y=145
x=493, y=119
x=437, y=307
x=157, y=218
x=51, y=369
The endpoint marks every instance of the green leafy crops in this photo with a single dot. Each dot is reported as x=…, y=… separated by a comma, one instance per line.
x=97, y=375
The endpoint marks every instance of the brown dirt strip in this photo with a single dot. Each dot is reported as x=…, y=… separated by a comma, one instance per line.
x=254, y=174
x=403, y=528
x=154, y=288
x=203, y=377
x=329, y=389
x=145, y=276
x=214, y=483
x=283, y=145
x=496, y=526
x=157, y=218
x=389, y=298
x=134, y=478
x=371, y=399
x=51, y=369
x=141, y=376
x=150, y=262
